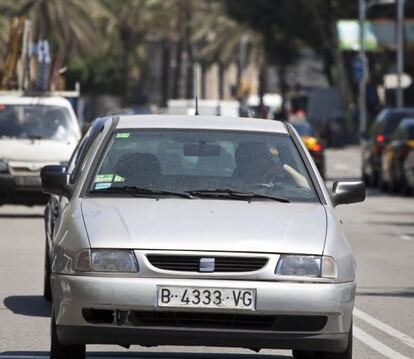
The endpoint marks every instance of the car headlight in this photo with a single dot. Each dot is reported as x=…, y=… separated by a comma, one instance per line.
x=4, y=166
x=306, y=266
x=106, y=260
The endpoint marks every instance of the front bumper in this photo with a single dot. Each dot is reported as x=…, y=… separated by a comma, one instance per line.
x=72, y=294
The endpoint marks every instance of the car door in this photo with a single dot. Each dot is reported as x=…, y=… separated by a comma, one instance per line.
x=57, y=204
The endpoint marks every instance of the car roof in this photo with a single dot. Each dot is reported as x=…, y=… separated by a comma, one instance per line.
x=40, y=100
x=200, y=122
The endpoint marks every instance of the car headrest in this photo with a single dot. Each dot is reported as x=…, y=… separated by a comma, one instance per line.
x=138, y=168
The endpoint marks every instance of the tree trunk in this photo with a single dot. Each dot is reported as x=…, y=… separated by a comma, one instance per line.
x=262, y=83
x=281, y=70
x=177, y=70
x=189, y=49
x=203, y=84
x=221, y=80
x=190, y=72
x=125, y=73
x=165, y=79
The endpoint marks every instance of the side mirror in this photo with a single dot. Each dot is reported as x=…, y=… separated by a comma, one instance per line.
x=54, y=180
x=346, y=192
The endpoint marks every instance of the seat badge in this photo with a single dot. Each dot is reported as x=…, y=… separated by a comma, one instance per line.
x=207, y=264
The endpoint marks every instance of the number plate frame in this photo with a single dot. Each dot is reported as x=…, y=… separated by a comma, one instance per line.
x=240, y=299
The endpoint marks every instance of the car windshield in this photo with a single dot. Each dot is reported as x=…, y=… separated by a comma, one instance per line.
x=204, y=163
x=36, y=122
x=304, y=129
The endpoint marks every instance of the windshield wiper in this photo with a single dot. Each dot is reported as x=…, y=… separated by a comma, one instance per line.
x=230, y=194
x=141, y=192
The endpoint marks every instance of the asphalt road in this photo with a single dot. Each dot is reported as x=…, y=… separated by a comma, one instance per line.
x=381, y=231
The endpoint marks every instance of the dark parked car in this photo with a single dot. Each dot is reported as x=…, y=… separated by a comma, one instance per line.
x=314, y=146
x=409, y=170
x=395, y=155
x=378, y=137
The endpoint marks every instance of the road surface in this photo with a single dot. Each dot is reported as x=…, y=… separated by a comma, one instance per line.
x=381, y=231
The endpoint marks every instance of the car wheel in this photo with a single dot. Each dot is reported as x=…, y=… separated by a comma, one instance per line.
x=47, y=291
x=301, y=354
x=62, y=351
x=347, y=354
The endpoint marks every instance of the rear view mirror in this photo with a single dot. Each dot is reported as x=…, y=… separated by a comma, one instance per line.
x=346, y=192
x=201, y=150
x=54, y=180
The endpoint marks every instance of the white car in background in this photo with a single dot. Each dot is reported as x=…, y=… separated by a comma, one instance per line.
x=34, y=132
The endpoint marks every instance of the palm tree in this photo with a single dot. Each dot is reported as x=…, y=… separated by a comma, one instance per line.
x=72, y=25
x=221, y=38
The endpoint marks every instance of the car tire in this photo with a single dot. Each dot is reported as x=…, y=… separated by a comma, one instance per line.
x=62, y=351
x=347, y=354
x=301, y=354
x=47, y=290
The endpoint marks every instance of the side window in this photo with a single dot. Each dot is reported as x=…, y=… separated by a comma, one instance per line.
x=84, y=147
x=86, y=153
x=73, y=163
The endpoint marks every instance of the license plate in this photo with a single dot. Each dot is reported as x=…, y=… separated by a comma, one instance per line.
x=196, y=297
x=29, y=181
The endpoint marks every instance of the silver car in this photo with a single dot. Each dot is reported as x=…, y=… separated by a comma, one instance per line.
x=212, y=231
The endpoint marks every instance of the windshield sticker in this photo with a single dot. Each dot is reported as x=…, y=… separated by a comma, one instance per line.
x=103, y=185
x=104, y=178
x=122, y=135
x=119, y=179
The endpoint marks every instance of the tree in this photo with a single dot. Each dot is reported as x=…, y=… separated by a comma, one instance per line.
x=273, y=20
x=69, y=25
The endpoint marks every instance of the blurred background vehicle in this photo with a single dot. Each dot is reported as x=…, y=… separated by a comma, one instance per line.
x=409, y=171
x=394, y=157
x=34, y=132
x=312, y=143
x=377, y=139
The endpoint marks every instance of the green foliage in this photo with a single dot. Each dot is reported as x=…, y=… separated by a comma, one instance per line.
x=104, y=40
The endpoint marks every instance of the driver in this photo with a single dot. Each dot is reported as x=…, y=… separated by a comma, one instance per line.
x=255, y=163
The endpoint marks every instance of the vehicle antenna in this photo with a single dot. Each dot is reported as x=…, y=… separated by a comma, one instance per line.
x=195, y=90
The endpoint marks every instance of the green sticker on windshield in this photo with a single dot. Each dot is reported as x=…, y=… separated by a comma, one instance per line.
x=119, y=179
x=122, y=135
x=104, y=178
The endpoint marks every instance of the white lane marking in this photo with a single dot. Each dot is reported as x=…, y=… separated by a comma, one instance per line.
x=404, y=338
x=377, y=345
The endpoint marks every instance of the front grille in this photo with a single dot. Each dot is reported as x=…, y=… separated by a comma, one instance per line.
x=189, y=263
x=277, y=323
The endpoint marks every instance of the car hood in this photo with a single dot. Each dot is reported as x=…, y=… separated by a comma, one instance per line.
x=205, y=225
x=44, y=151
